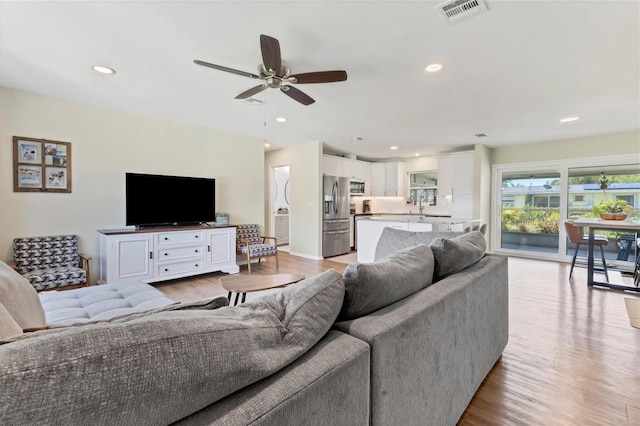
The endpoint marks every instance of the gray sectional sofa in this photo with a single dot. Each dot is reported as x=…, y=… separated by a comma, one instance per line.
x=406, y=340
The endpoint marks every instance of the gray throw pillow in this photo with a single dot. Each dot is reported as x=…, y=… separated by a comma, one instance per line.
x=372, y=286
x=133, y=370
x=391, y=240
x=455, y=254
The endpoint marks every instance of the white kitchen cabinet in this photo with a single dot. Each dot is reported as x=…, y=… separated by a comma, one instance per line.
x=462, y=178
x=445, y=179
x=329, y=165
x=451, y=227
x=420, y=226
x=378, y=179
x=166, y=254
x=388, y=179
x=282, y=229
x=462, y=206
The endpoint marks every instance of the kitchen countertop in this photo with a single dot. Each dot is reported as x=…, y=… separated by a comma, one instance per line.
x=415, y=218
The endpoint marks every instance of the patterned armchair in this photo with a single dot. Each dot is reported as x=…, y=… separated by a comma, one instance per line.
x=51, y=262
x=249, y=242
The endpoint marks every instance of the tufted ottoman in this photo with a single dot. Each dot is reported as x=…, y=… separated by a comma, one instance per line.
x=100, y=302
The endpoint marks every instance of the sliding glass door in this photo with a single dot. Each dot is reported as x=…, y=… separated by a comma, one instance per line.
x=530, y=211
x=532, y=200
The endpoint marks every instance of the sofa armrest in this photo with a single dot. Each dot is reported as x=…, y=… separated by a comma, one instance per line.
x=431, y=350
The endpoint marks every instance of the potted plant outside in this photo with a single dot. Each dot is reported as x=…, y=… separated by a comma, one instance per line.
x=604, y=181
x=222, y=218
x=613, y=210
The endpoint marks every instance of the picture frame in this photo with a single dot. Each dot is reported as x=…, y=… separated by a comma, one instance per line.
x=41, y=165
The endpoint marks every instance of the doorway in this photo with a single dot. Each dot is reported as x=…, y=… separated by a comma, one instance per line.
x=280, y=197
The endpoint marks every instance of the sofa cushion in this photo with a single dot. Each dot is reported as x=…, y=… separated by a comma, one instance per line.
x=455, y=254
x=371, y=286
x=20, y=299
x=8, y=326
x=160, y=368
x=204, y=304
x=392, y=240
x=103, y=302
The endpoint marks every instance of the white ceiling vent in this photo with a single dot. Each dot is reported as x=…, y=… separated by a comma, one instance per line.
x=458, y=10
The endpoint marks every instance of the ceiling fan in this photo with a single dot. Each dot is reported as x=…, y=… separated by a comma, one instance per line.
x=277, y=75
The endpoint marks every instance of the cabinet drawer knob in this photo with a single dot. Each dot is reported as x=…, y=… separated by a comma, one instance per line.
x=166, y=270
x=196, y=251
x=197, y=236
x=166, y=238
x=196, y=265
x=166, y=254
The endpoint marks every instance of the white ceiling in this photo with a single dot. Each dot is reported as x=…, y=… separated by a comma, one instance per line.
x=511, y=73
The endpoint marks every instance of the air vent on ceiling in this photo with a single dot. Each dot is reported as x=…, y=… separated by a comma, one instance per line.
x=253, y=101
x=457, y=10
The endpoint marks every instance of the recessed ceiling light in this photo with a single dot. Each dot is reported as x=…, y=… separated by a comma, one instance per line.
x=102, y=69
x=281, y=119
x=569, y=119
x=433, y=67
x=393, y=148
x=417, y=154
x=267, y=145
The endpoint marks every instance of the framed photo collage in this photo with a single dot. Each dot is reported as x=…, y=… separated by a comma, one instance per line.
x=41, y=165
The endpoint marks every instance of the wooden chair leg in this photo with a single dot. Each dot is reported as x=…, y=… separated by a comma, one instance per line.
x=248, y=261
x=277, y=265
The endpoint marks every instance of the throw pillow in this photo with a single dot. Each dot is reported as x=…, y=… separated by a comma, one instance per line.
x=372, y=286
x=20, y=299
x=138, y=367
x=391, y=240
x=8, y=326
x=455, y=254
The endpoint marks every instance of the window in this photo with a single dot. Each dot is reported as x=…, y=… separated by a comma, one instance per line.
x=578, y=198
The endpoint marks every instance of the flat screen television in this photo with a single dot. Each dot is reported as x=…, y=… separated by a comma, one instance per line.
x=153, y=200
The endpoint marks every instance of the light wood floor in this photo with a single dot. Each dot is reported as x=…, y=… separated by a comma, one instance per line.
x=572, y=357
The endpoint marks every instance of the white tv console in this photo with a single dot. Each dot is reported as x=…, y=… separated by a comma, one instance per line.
x=158, y=254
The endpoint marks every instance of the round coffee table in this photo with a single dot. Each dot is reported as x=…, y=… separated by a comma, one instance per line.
x=243, y=284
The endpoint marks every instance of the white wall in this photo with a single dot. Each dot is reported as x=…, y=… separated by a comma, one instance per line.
x=105, y=144
x=593, y=146
x=305, y=219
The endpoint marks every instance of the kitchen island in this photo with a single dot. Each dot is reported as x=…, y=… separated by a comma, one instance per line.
x=370, y=228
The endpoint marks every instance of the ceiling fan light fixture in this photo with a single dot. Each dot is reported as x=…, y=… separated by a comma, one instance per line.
x=281, y=119
x=570, y=119
x=433, y=67
x=103, y=69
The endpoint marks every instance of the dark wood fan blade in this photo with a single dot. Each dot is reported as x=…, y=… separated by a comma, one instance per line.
x=248, y=93
x=298, y=95
x=319, y=77
x=225, y=69
x=271, y=54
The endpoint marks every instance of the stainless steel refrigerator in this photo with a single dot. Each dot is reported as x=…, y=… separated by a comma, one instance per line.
x=335, y=227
